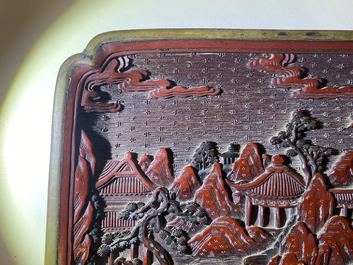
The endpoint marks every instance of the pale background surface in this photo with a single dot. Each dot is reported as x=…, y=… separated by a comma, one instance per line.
x=38, y=35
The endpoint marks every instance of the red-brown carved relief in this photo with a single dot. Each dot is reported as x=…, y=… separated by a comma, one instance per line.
x=185, y=185
x=83, y=208
x=301, y=243
x=246, y=177
x=213, y=196
x=317, y=205
x=116, y=73
x=225, y=236
x=291, y=76
x=342, y=172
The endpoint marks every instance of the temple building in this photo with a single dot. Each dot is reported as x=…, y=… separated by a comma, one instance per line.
x=344, y=201
x=271, y=197
x=231, y=154
x=121, y=182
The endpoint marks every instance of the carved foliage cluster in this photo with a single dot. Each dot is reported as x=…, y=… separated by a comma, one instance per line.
x=200, y=212
x=185, y=228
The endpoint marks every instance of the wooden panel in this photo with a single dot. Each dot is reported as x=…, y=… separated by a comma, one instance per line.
x=205, y=150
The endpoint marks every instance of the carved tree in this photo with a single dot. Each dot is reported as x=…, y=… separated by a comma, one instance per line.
x=151, y=219
x=205, y=155
x=313, y=158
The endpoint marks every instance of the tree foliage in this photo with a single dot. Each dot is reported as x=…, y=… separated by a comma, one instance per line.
x=313, y=157
x=151, y=220
x=205, y=155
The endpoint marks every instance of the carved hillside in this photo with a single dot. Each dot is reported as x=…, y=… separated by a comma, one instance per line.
x=160, y=170
x=342, y=172
x=302, y=243
x=226, y=236
x=333, y=245
x=145, y=162
x=186, y=184
x=213, y=195
x=249, y=165
x=336, y=242
x=317, y=205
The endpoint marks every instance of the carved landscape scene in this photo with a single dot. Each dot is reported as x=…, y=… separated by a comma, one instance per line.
x=215, y=158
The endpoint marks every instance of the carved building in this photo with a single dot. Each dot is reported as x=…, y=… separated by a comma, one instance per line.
x=273, y=196
x=120, y=182
x=344, y=201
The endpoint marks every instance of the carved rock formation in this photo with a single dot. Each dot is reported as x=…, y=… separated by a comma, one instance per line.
x=249, y=165
x=302, y=243
x=145, y=162
x=226, y=236
x=287, y=259
x=333, y=246
x=185, y=185
x=160, y=170
x=342, y=172
x=336, y=242
x=213, y=195
x=83, y=208
x=317, y=205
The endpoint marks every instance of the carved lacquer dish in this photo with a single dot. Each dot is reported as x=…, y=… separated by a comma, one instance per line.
x=204, y=147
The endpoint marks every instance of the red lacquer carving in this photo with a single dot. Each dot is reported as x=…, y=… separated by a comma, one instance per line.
x=317, y=205
x=83, y=208
x=185, y=185
x=145, y=162
x=342, y=172
x=272, y=203
x=116, y=73
x=333, y=245
x=251, y=163
x=213, y=195
x=226, y=236
x=122, y=181
x=301, y=243
x=160, y=170
x=336, y=242
x=288, y=76
x=279, y=187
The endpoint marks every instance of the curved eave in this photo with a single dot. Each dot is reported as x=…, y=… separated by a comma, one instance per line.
x=263, y=178
x=142, y=177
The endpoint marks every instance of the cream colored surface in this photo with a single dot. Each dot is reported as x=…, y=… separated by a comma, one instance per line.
x=36, y=41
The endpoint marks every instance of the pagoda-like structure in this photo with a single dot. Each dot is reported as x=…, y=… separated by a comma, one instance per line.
x=120, y=182
x=272, y=196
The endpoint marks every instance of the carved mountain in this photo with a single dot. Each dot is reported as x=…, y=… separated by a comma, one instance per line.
x=249, y=165
x=286, y=259
x=213, y=195
x=145, y=162
x=336, y=242
x=185, y=185
x=160, y=170
x=342, y=172
x=302, y=243
x=317, y=205
x=226, y=236
x=333, y=246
